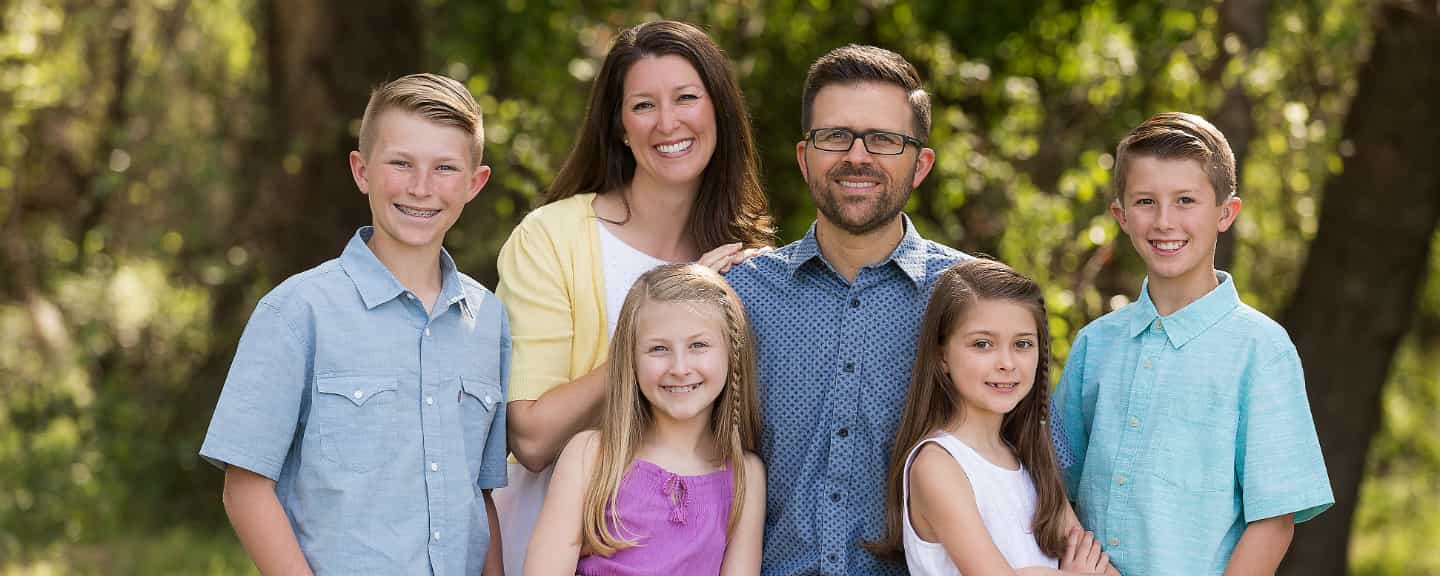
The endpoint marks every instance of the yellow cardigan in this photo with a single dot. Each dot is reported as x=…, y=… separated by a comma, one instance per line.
x=553, y=287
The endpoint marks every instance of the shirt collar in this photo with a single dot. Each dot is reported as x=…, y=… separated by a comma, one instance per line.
x=909, y=255
x=1186, y=323
x=377, y=285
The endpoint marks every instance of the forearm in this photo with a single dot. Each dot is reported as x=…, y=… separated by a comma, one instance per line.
x=538, y=430
x=1262, y=546
x=495, y=556
x=261, y=523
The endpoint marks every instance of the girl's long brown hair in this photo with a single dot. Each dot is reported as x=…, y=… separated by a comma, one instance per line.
x=933, y=404
x=734, y=419
x=730, y=205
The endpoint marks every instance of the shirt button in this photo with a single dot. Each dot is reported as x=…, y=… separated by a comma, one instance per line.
x=434, y=466
x=833, y=558
x=1120, y=480
x=1134, y=422
x=409, y=295
x=488, y=399
x=427, y=330
x=1114, y=541
x=1159, y=324
x=436, y=535
x=430, y=400
x=1146, y=363
x=849, y=367
x=359, y=394
x=854, y=302
x=843, y=432
x=834, y=496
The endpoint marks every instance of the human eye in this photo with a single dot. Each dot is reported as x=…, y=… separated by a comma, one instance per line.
x=699, y=345
x=833, y=136
x=886, y=138
x=1186, y=200
x=641, y=106
x=1144, y=202
x=658, y=349
x=447, y=168
x=399, y=163
x=983, y=344
x=689, y=97
x=1024, y=343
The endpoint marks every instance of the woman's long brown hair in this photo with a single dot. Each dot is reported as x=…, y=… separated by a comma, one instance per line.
x=734, y=418
x=730, y=205
x=932, y=402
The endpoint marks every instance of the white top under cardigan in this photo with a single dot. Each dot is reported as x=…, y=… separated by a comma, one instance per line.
x=1006, y=499
x=623, y=265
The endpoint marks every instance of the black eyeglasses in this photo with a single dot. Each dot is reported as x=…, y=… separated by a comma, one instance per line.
x=877, y=142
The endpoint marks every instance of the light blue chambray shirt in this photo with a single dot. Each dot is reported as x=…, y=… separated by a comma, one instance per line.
x=1181, y=429
x=834, y=360
x=380, y=424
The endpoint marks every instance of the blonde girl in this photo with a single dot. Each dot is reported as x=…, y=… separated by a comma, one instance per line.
x=669, y=483
x=973, y=485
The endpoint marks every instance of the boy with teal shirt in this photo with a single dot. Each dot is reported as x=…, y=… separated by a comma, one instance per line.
x=362, y=424
x=1181, y=419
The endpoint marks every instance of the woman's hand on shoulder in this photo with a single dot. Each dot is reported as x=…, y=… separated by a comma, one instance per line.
x=727, y=255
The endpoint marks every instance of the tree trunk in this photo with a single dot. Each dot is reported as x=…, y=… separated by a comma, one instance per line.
x=1357, y=295
x=324, y=58
x=1248, y=21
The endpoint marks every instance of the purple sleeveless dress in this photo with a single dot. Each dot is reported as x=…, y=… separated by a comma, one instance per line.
x=678, y=521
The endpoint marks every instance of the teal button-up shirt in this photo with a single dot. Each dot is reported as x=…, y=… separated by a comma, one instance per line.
x=1183, y=428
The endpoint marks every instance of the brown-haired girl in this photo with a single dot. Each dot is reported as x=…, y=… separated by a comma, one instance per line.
x=973, y=484
x=670, y=483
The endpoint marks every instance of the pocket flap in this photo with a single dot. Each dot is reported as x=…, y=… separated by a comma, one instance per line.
x=358, y=389
x=486, y=390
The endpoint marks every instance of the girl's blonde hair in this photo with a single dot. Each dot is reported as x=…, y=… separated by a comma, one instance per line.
x=734, y=421
x=932, y=402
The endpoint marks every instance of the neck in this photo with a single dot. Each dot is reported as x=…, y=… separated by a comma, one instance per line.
x=680, y=444
x=417, y=269
x=848, y=253
x=1172, y=294
x=660, y=213
x=980, y=430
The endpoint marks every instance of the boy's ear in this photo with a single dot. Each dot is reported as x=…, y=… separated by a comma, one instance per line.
x=1229, y=211
x=477, y=181
x=357, y=171
x=1119, y=214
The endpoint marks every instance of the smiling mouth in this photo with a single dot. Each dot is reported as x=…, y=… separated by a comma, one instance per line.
x=416, y=212
x=682, y=389
x=1168, y=245
x=676, y=147
x=1002, y=385
x=857, y=184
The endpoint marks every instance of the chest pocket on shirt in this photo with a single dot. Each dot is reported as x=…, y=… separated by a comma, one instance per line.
x=1196, y=442
x=479, y=403
x=355, y=417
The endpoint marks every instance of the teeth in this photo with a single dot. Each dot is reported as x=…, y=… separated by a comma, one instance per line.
x=1169, y=244
x=1003, y=386
x=416, y=213
x=681, y=389
x=854, y=184
x=676, y=147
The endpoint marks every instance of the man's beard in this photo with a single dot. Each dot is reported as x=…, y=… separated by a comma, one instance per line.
x=879, y=211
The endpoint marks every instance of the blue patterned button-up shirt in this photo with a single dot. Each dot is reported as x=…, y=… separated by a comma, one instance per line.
x=834, y=364
x=379, y=423
x=1184, y=428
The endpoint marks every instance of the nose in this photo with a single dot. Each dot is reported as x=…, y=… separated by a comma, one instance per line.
x=1005, y=362
x=1163, y=216
x=668, y=119
x=680, y=364
x=420, y=184
x=858, y=153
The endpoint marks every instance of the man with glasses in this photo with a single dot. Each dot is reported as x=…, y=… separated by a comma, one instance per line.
x=836, y=314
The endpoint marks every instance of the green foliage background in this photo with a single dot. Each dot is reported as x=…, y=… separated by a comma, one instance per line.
x=128, y=129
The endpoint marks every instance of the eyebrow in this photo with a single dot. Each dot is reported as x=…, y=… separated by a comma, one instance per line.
x=989, y=333
x=644, y=93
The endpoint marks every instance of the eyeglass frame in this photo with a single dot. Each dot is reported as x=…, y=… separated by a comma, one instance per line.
x=861, y=137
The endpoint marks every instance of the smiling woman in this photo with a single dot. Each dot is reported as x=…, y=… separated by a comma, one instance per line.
x=664, y=169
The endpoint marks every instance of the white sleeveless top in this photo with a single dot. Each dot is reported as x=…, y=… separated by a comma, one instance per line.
x=622, y=265
x=1006, y=499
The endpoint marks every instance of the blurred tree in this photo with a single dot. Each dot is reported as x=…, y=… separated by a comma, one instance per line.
x=1358, y=294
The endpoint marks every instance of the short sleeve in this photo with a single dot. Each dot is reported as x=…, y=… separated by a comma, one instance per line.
x=1068, y=429
x=1279, y=463
x=259, y=408
x=493, y=464
x=533, y=288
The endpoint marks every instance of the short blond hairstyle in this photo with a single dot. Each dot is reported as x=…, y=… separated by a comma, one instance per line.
x=435, y=98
